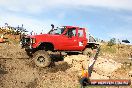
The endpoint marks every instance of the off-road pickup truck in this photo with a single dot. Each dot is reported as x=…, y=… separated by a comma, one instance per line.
x=66, y=38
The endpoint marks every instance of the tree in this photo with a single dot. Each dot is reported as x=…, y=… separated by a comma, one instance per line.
x=97, y=39
x=112, y=42
x=6, y=24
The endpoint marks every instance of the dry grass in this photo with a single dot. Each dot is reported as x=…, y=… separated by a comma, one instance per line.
x=117, y=52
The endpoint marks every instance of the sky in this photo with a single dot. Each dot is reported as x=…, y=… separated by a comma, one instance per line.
x=104, y=19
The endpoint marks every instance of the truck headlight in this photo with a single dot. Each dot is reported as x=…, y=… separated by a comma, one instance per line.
x=33, y=40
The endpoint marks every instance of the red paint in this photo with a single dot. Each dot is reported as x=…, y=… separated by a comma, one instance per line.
x=62, y=41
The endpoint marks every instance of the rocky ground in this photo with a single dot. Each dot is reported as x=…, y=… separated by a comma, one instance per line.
x=17, y=70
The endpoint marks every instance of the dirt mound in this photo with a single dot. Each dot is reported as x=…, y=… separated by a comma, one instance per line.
x=77, y=61
x=103, y=68
x=12, y=51
x=106, y=66
x=18, y=71
x=60, y=79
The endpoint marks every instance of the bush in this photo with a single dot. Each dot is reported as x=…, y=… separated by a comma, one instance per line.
x=111, y=42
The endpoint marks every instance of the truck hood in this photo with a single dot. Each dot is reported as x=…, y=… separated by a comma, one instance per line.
x=45, y=37
x=41, y=35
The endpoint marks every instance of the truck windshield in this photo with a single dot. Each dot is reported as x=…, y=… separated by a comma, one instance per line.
x=57, y=31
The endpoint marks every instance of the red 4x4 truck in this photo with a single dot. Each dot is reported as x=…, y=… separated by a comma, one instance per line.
x=63, y=39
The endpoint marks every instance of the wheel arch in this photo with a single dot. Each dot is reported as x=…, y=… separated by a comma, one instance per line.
x=46, y=46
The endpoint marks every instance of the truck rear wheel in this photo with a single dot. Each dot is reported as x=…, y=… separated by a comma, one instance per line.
x=41, y=58
x=88, y=52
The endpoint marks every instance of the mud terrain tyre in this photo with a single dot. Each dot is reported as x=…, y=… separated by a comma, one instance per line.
x=29, y=54
x=41, y=58
x=88, y=52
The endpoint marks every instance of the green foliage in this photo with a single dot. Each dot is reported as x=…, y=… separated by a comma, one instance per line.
x=112, y=42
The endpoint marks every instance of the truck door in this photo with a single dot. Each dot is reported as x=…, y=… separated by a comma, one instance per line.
x=69, y=39
x=82, y=40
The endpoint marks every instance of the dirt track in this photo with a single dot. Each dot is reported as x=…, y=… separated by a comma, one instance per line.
x=18, y=71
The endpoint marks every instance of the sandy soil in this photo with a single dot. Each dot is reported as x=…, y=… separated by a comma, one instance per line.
x=17, y=70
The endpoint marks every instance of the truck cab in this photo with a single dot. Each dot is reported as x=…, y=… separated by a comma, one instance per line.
x=69, y=38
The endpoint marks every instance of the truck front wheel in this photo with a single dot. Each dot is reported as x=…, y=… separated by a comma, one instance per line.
x=41, y=58
x=29, y=53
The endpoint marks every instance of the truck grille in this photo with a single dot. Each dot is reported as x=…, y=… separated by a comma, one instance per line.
x=25, y=42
